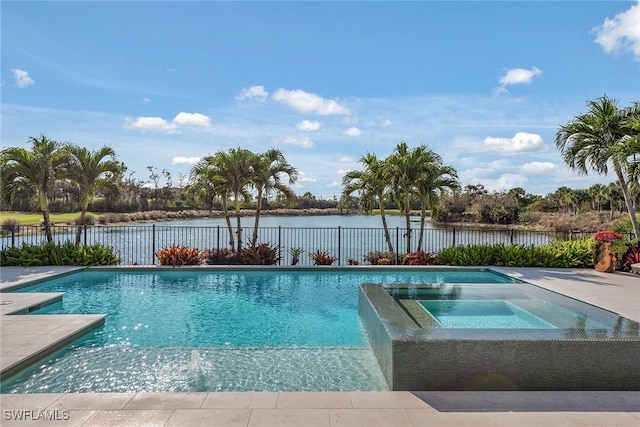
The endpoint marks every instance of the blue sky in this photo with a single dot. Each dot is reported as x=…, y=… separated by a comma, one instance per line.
x=484, y=84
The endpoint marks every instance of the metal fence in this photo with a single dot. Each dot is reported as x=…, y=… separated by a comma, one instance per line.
x=137, y=244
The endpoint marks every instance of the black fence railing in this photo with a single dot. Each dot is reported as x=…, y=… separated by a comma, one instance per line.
x=137, y=244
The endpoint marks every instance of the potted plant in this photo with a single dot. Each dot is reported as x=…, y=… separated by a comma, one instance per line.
x=295, y=255
x=322, y=258
x=605, y=257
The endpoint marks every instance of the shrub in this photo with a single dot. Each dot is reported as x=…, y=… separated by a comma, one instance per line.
x=8, y=225
x=223, y=257
x=562, y=254
x=380, y=258
x=322, y=258
x=88, y=220
x=262, y=254
x=180, y=255
x=295, y=255
x=419, y=258
x=631, y=256
x=58, y=254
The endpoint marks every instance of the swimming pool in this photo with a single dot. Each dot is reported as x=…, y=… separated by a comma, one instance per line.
x=221, y=330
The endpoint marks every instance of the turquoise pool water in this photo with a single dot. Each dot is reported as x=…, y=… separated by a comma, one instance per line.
x=483, y=315
x=233, y=330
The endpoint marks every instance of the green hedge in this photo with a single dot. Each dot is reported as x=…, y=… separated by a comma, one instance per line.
x=58, y=254
x=562, y=254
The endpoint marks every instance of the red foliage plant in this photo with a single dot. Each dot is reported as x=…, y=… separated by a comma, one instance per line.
x=606, y=236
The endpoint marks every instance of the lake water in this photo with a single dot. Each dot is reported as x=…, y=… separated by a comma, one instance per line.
x=348, y=237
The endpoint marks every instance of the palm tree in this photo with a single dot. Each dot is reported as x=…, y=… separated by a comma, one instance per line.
x=227, y=175
x=436, y=181
x=38, y=168
x=371, y=184
x=613, y=194
x=209, y=182
x=90, y=171
x=593, y=140
x=266, y=177
x=596, y=194
x=405, y=168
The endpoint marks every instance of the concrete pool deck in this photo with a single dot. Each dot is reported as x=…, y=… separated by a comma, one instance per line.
x=618, y=292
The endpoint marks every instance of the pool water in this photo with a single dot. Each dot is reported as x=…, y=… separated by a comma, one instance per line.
x=483, y=314
x=232, y=330
x=496, y=306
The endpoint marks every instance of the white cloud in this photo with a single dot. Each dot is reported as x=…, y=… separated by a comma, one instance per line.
x=343, y=171
x=146, y=100
x=519, y=76
x=308, y=125
x=521, y=142
x=622, y=33
x=309, y=103
x=350, y=120
x=500, y=164
x=189, y=161
x=253, y=92
x=352, y=132
x=158, y=124
x=345, y=159
x=505, y=181
x=539, y=168
x=386, y=123
x=22, y=78
x=150, y=124
x=516, y=76
x=300, y=142
x=192, y=119
x=304, y=178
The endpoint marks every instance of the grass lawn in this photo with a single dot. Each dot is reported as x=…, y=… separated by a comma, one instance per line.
x=31, y=218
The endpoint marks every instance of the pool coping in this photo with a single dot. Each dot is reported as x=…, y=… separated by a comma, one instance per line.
x=366, y=408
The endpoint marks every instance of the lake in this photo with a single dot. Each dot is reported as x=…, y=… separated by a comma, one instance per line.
x=348, y=237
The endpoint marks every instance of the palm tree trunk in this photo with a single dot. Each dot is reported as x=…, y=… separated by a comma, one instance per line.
x=627, y=200
x=407, y=216
x=254, y=239
x=387, y=237
x=239, y=225
x=227, y=218
x=47, y=225
x=83, y=213
x=44, y=207
x=423, y=214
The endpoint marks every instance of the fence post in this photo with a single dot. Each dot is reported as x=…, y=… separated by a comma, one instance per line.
x=153, y=244
x=13, y=235
x=454, y=237
x=85, y=234
x=339, y=245
x=511, y=236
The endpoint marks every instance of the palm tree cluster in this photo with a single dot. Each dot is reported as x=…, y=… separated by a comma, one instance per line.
x=406, y=177
x=605, y=136
x=49, y=162
x=231, y=176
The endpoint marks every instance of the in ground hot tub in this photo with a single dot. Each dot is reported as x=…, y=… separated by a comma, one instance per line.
x=497, y=337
